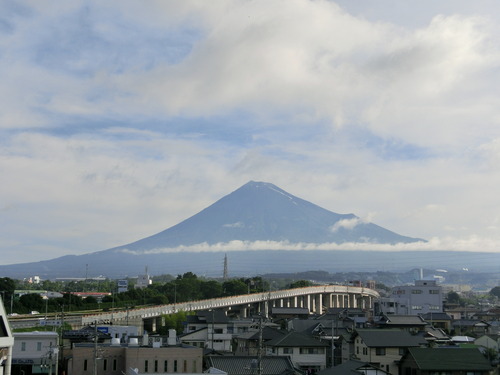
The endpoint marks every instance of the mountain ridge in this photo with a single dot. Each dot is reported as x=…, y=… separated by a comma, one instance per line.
x=262, y=211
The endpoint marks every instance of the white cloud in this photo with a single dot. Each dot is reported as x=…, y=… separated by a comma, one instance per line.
x=348, y=224
x=435, y=244
x=238, y=224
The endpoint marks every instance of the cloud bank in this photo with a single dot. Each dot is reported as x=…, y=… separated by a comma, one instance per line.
x=435, y=244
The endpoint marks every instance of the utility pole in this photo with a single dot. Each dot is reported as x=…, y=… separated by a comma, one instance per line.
x=259, y=349
x=94, y=370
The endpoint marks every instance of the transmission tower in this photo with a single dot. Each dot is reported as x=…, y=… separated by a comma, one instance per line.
x=224, y=275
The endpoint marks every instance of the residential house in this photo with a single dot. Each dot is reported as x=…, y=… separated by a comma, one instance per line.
x=248, y=343
x=470, y=327
x=248, y=365
x=488, y=315
x=449, y=361
x=435, y=336
x=208, y=329
x=289, y=312
x=353, y=367
x=384, y=347
x=438, y=320
x=411, y=323
x=306, y=353
x=489, y=342
x=462, y=312
x=35, y=352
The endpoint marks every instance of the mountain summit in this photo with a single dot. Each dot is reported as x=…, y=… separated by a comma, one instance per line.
x=261, y=211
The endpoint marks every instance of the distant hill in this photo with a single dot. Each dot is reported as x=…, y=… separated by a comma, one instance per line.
x=257, y=211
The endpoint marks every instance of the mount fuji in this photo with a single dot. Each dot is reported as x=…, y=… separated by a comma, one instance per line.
x=261, y=211
x=257, y=212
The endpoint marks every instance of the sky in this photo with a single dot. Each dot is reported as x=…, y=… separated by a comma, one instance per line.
x=119, y=119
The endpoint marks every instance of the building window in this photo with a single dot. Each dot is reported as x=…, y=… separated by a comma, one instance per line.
x=23, y=346
x=433, y=307
x=312, y=351
x=185, y=366
x=165, y=366
x=379, y=351
x=416, y=291
x=365, y=351
x=195, y=367
x=287, y=350
x=156, y=365
x=146, y=365
x=38, y=346
x=433, y=291
x=218, y=330
x=402, y=351
x=175, y=365
x=416, y=307
x=105, y=364
x=85, y=363
x=114, y=364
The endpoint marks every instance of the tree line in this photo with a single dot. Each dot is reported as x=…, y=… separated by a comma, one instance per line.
x=164, y=290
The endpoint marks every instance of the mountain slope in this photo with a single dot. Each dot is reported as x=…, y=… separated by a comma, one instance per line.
x=260, y=211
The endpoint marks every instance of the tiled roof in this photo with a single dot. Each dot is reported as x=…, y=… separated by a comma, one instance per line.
x=351, y=367
x=267, y=334
x=389, y=338
x=209, y=317
x=296, y=339
x=447, y=359
x=246, y=365
x=289, y=311
x=436, y=316
x=407, y=320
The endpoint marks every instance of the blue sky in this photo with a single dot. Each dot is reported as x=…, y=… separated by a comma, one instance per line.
x=120, y=119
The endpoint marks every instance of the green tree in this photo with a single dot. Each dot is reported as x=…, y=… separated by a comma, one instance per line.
x=210, y=289
x=32, y=302
x=7, y=287
x=453, y=297
x=495, y=291
x=300, y=284
x=173, y=321
x=234, y=287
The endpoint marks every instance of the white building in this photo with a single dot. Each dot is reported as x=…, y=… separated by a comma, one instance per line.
x=6, y=342
x=35, y=352
x=426, y=296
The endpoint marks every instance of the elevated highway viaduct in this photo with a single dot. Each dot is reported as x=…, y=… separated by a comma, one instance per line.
x=316, y=298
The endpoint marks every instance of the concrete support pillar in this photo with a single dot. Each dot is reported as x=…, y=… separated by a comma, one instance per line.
x=352, y=300
x=319, y=304
x=329, y=301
